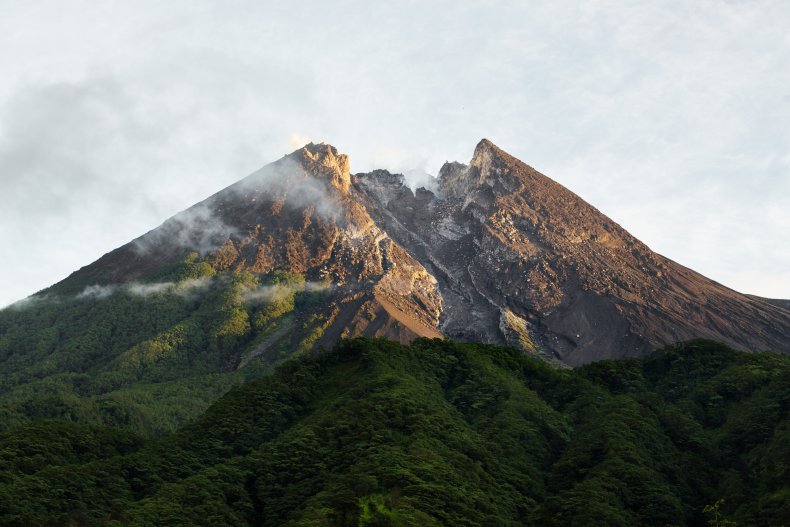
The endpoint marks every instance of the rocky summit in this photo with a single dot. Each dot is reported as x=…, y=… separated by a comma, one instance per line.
x=496, y=252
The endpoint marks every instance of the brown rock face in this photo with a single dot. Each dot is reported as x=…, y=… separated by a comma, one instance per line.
x=517, y=256
x=500, y=254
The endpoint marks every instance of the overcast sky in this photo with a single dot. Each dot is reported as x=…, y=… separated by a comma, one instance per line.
x=671, y=117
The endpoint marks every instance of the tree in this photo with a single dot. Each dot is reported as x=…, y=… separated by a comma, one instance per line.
x=716, y=519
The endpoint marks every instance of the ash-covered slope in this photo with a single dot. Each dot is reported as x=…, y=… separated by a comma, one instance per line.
x=779, y=302
x=521, y=259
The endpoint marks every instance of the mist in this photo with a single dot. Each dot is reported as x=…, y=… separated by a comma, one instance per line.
x=97, y=292
x=199, y=228
x=288, y=180
x=184, y=288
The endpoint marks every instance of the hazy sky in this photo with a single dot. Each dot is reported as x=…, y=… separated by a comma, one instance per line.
x=671, y=117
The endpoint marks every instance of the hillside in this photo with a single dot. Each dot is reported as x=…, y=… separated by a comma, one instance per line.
x=151, y=354
x=436, y=433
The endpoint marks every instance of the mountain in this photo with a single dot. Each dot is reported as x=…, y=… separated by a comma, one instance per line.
x=300, y=215
x=226, y=368
x=779, y=302
x=373, y=433
x=302, y=253
x=285, y=261
x=496, y=253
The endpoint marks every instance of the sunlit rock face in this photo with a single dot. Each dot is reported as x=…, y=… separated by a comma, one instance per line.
x=495, y=252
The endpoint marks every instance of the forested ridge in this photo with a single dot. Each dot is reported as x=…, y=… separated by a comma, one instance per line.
x=150, y=355
x=434, y=433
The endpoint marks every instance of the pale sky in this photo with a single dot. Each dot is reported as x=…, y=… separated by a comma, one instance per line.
x=671, y=117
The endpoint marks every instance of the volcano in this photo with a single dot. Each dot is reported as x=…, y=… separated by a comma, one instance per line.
x=201, y=374
x=495, y=252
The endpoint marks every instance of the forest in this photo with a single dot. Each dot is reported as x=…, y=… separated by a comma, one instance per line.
x=374, y=433
x=150, y=355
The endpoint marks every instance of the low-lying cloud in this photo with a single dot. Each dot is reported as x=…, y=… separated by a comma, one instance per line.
x=183, y=288
x=32, y=301
x=149, y=289
x=97, y=292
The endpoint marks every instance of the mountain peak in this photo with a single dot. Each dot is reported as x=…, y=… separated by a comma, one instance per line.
x=523, y=260
x=459, y=180
x=486, y=155
x=324, y=160
x=486, y=148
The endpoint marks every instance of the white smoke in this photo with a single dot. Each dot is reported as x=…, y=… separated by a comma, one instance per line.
x=296, y=140
x=418, y=178
x=287, y=179
x=202, y=229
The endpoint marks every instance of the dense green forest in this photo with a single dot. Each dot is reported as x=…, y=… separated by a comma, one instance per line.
x=373, y=433
x=149, y=355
